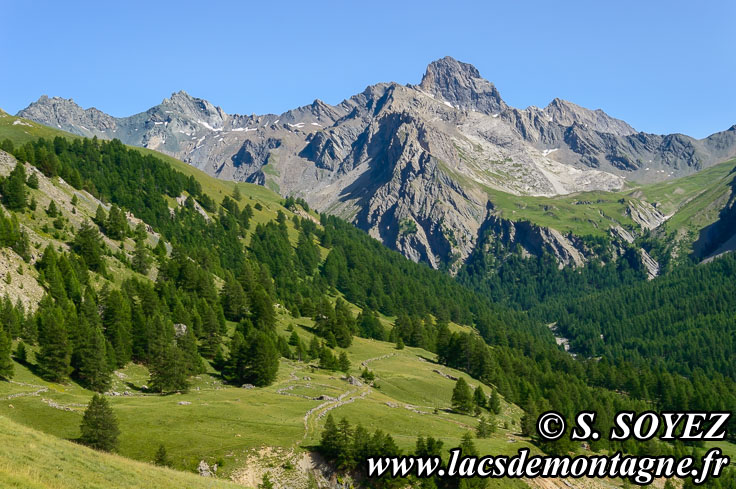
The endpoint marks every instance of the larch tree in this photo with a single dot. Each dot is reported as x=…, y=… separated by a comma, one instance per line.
x=99, y=426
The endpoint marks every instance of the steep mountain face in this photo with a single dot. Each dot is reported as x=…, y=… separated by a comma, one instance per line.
x=720, y=237
x=413, y=165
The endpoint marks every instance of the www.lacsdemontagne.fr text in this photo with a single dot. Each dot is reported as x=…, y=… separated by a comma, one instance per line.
x=639, y=469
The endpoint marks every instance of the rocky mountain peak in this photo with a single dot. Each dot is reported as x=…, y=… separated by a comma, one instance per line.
x=66, y=114
x=192, y=110
x=567, y=114
x=411, y=165
x=461, y=85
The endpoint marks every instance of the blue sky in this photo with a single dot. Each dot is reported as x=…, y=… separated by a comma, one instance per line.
x=662, y=66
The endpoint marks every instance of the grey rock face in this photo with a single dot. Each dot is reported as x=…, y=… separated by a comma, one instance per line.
x=412, y=165
x=536, y=240
x=461, y=85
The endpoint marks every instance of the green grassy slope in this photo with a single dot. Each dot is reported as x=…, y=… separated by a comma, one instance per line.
x=694, y=202
x=30, y=459
x=227, y=423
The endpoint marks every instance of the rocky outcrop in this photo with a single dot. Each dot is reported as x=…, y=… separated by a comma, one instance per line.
x=645, y=214
x=650, y=264
x=535, y=240
x=412, y=165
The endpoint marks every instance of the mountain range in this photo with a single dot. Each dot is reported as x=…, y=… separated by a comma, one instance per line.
x=417, y=166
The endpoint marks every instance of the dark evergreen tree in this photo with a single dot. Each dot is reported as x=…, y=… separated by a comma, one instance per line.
x=314, y=348
x=141, y=262
x=187, y=343
x=54, y=357
x=89, y=359
x=479, y=398
x=486, y=427
x=343, y=363
x=462, y=397
x=210, y=336
x=21, y=352
x=52, y=211
x=529, y=419
x=327, y=359
x=88, y=245
x=162, y=458
x=14, y=189
x=116, y=319
x=32, y=180
x=329, y=444
x=255, y=361
x=494, y=403
x=116, y=226
x=294, y=338
x=266, y=479
x=234, y=300
x=169, y=371
x=6, y=363
x=100, y=216
x=263, y=361
x=307, y=253
x=99, y=425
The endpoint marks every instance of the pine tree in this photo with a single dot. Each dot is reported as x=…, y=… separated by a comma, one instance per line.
x=116, y=226
x=343, y=362
x=479, y=397
x=21, y=352
x=529, y=419
x=327, y=360
x=234, y=300
x=486, y=427
x=99, y=425
x=344, y=444
x=100, y=216
x=399, y=344
x=187, y=343
x=141, y=262
x=494, y=403
x=467, y=446
x=52, y=211
x=329, y=444
x=263, y=314
x=462, y=397
x=236, y=194
x=32, y=180
x=314, y=348
x=294, y=338
x=88, y=244
x=210, y=331
x=169, y=371
x=54, y=357
x=162, y=458
x=90, y=358
x=300, y=353
x=116, y=318
x=263, y=362
x=6, y=363
x=14, y=189
x=265, y=480
x=367, y=375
